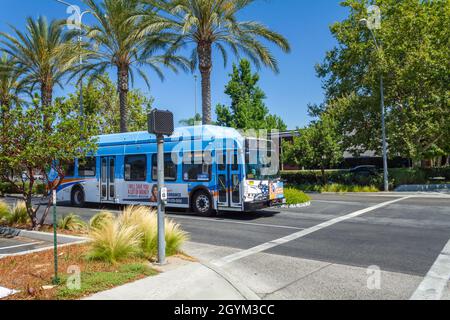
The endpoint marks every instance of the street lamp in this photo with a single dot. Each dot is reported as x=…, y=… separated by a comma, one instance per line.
x=383, y=111
x=79, y=16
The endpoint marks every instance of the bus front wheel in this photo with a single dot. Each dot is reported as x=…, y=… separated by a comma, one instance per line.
x=77, y=198
x=202, y=204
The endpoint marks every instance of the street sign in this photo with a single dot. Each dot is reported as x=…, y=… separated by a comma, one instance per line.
x=164, y=196
x=160, y=122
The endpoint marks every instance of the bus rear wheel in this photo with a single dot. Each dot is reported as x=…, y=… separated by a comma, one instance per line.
x=77, y=199
x=202, y=204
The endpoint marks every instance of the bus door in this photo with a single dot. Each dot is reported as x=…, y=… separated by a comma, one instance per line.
x=229, y=179
x=107, y=179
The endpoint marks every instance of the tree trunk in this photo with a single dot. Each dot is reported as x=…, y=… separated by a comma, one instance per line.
x=46, y=101
x=324, y=176
x=205, y=66
x=122, y=79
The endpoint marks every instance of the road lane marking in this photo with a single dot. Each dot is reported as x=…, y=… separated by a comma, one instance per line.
x=434, y=283
x=268, y=245
x=235, y=222
x=21, y=245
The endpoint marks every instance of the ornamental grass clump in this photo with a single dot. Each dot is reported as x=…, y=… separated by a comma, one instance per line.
x=4, y=212
x=146, y=220
x=137, y=226
x=73, y=223
x=18, y=214
x=99, y=219
x=112, y=242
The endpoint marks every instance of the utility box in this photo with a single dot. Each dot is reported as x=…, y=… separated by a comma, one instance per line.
x=160, y=122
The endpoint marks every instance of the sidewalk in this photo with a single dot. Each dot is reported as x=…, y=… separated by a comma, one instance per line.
x=188, y=281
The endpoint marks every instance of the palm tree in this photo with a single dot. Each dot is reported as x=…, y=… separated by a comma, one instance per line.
x=191, y=121
x=119, y=44
x=42, y=56
x=10, y=87
x=213, y=24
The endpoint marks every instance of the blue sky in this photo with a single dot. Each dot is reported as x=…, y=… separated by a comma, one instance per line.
x=304, y=23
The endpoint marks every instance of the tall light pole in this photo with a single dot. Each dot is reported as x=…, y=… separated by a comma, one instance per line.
x=383, y=112
x=79, y=17
x=195, y=97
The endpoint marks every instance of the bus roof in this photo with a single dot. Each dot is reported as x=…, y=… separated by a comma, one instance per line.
x=183, y=133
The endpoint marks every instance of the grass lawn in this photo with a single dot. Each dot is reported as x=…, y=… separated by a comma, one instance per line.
x=30, y=273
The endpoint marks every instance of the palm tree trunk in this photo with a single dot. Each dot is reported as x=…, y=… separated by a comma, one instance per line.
x=122, y=79
x=205, y=66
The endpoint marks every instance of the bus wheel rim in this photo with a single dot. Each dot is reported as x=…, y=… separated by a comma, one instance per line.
x=202, y=203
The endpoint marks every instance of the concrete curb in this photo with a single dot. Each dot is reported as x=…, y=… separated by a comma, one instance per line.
x=41, y=236
x=243, y=290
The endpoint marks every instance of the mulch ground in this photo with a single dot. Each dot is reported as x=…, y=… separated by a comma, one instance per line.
x=30, y=273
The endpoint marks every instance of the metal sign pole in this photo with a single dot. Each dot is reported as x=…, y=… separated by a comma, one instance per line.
x=56, y=279
x=161, y=203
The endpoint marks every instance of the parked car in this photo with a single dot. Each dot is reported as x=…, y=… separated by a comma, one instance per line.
x=364, y=170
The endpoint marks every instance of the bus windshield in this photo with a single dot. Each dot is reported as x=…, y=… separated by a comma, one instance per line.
x=261, y=163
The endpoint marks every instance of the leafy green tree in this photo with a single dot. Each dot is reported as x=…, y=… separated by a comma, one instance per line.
x=34, y=148
x=414, y=40
x=191, y=121
x=248, y=110
x=120, y=43
x=214, y=24
x=316, y=146
x=42, y=55
x=101, y=100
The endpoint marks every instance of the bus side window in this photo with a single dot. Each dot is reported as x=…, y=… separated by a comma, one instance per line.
x=197, y=166
x=69, y=168
x=170, y=168
x=136, y=168
x=87, y=167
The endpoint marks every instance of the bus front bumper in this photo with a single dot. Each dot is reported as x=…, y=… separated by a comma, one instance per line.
x=263, y=204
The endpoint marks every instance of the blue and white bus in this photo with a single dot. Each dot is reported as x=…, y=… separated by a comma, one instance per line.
x=207, y=169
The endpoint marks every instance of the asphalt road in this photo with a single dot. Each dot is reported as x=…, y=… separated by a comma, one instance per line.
x=324, y=251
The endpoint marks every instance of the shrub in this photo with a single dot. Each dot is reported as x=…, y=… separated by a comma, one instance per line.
x=295, y=196
x=4, y=212
x=397, y=177
x=72, y=222
x=6, y=187
x=19, y=214
x=112, y=241
x=99, y=219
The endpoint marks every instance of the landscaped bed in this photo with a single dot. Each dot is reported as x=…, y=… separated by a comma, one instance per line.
x=119, y=251
x=30, y=274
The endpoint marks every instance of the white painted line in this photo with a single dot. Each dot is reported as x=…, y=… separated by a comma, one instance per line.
x=434, y=283
x=4, y=292
x=21, y=245
x=268, y=245
x=234, y=222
